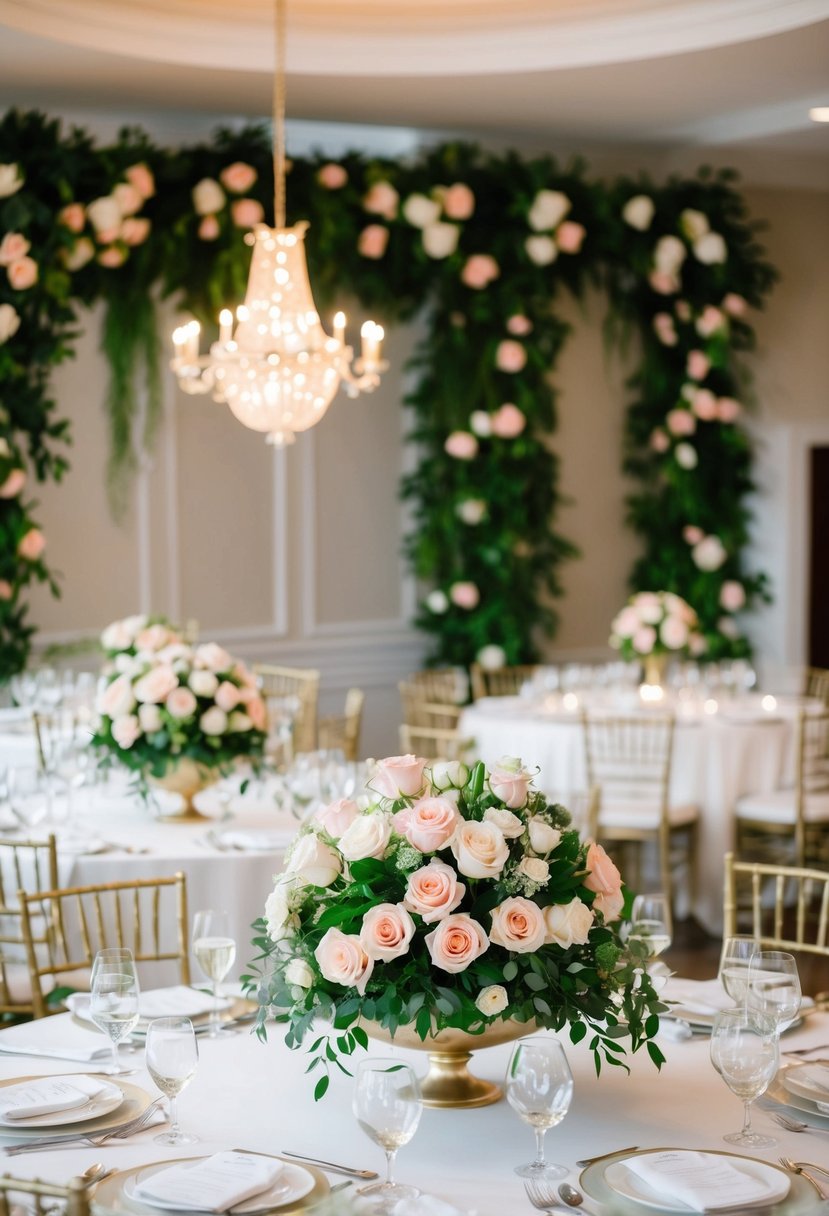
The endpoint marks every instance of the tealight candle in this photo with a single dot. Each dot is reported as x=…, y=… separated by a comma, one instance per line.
x=570, y=702
x=710, y=706
x=769, y=703
x=225, y=326
x=339, y=327
x=651, y=692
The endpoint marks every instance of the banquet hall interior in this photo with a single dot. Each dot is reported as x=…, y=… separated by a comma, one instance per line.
x=414, y=535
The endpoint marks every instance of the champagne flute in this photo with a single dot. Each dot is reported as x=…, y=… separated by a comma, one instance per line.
x=388, y=1107
x=172, y=1057
x=540, y=1089
x=215, y=952
x=773, y=990
x=746, y=1057
x=737, y=952
x=650, y=924
x=113, y=997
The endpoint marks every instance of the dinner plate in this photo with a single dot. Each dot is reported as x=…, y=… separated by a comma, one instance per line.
x=796, y=1081
x=804, y=1106
x=110, y=1099
x=111, y=1193
x=293, y=1184
x=134, y=1102
x=78, y=1004
x=637, y=1199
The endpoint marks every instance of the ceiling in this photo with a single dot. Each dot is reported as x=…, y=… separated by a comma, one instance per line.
x=672, y=73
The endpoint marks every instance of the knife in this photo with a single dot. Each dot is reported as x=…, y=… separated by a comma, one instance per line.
x=332, y=1166
x=603, y=1156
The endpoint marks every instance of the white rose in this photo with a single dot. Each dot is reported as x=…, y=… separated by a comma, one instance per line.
x=213, y=721
x=126, y=730
x=238, y=722
x=548, y=210
x=510, y=825
x=116, y=636
x=449, y=774
x=150, y=718
x=709, y=554
x=127, y=665
x=535, y=869
x=480, y=849
x=134, y=624
x=693, y=224
x=638, y=212
x=9, y=322
x=492, y=1000
x=481, y=423
x=367, y=836
x=728, y=627
x=568, y=924
x=710, y=249
x=542, y=250
x=543, y=837
x=11, y=179
x=421, y=211
x=278, y=915
x=208, y=196
x=686, y=456
x=104, y=213
x=82, y=251
x=669, y=254
x=313, y=861
x=673, y=632
x=437, y=601
x=471, y=510
x=203, y=683
x=491, y=657
x=299, y=973
x=440, y=240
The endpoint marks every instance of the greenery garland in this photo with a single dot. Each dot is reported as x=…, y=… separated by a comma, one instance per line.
x=485, y=242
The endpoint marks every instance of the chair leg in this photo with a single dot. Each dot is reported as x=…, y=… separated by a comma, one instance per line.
x=665, y=865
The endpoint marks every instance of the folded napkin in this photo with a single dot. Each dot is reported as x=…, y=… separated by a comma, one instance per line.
x=697, y=996
x=703, y=1181
x=56, y=1051
x=176, y=1001
x=426, y=1205
x=47, y=1095
x=212, y=1185
x=261, y=842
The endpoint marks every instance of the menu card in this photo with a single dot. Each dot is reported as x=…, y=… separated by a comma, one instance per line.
x=213, y=1184
x=47, y=1095
x=703, y=1181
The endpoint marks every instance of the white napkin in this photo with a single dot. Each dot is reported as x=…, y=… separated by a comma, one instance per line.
x=47, y=1095
x=84, y=1055
x=261, y=842
x=214, y=1184
x=696, y=996
x=699, y=1180
x=427, y=1205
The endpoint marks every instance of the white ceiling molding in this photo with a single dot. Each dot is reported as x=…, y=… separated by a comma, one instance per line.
x=410, y=37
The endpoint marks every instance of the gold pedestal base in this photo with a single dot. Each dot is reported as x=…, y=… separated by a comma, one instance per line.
x=449, y=1082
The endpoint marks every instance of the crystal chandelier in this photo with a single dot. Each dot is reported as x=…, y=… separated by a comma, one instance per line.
x=277, y=369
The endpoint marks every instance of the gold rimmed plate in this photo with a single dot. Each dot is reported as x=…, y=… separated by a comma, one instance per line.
x=133, y=1102
x=807, y=1107
x=108, y=1099
x=230, y=1009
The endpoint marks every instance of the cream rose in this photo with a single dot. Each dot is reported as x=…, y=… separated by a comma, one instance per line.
x=440, y=240
x=429, y=824
x=510, y=782
x=433, y=891
x=279, y=916
x=11, y=179
x=456, y=942
x=203, y=683
x=299, y=974
x=518, y=925
x=337, y=816
x=227, y=696
x=367, y=836
x=117, y=698
x=342, y=960
x=157, y=684
x=541, y=250
x=492, y=1000
x=214, y=657
x=535, y=868
x=638, y=212
x=238, y=722
x=480, y=849
x=128, y=198
x=208, y=196
x=181, y=703
x=605, y=879
x=421, y=211
x=543, y=837
x=386, y=932
x=509, y=824
x=313, y=861
x=126, y=730
x=104, y=214
x=9, y=322
x=398, y=776
x=213, y=721
x=448, y=774
x=568, y=924
x=150, y=718
x=548, y=209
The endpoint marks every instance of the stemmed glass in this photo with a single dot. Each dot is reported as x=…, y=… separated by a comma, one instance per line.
x=773, y=993
x=215, y=952
x=113, y=997
x=539, y=1089
x=652, y=928
x=172, y=1058
x=737, y=953
x=746, y=1058
x=387, y=1106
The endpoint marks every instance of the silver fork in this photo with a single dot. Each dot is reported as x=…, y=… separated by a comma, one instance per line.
x=796, y=1125
x=129, y=1129
x=796, y=1168
x=543, y=1197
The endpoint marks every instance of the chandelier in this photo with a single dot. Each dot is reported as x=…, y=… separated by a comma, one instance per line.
x=276, y=368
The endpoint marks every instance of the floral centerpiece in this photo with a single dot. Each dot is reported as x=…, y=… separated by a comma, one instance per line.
x=448, y=899
x=173, y=712
x=654, y=625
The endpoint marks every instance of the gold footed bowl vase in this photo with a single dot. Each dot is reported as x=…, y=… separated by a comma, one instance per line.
x=449, y=1083
x=655, y=669
x=185, y=778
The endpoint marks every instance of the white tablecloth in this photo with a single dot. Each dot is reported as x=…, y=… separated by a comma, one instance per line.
x=257, y=1096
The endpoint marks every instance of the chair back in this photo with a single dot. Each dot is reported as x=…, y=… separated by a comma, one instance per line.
x=442, y=685
x=812, y=784
x=433, y=742
x=24, y=864
x=63, y=928
x=28, y=1194
x=343, y=730
x=418, y=710
x=628, y=760
x=299, y=686
x=816, y=684
x=787, y=907
x=500, y=681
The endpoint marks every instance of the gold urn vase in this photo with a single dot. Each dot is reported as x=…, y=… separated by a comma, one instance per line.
x=655, y=668
x=185, y=778
x=449, y=1083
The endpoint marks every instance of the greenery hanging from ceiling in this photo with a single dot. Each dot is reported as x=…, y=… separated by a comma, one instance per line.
x=485, y=243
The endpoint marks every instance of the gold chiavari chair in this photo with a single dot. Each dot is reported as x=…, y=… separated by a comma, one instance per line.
x=343, y=730
x=500, y=681
x=434, y=743
x=298, y=686
x=786, y=907
x=65, y=927
x=418, y=710
x=440, y=685
x=816, y=684
x=628, y=772
x=33, y=865
x=27, y=1195
x=793, y=823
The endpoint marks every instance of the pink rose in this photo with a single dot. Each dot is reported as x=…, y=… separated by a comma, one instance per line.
x=698, y=364
x=22, y=274
x=728, y=410
x=456, y=942
x=126, y=730
x=568, y=924
x=709, y=321
x=683, y=310
x=510, y=782
x=732, y=595
x=664, y=328
x=673, y=633
x=257, y=713
x=152, y=638
x=246, y=212
x=465, y=595
x=659, y=441
x=644, y=639
x=127, y=198
x=6, y=589
x=72, y=217
x=663, y=282
x=704, y=404
x=337, y=816
x=156, y=685
x=681, y=422
x=429, y=824
x=13, y=247
x=141, y=176
x=76, y=258
x=135, y=230
x=105, y=236
x=238, y=178
x=382, y=199
x=386, y=932
x=117, y=698
x=626, y=623
x=462, y=445
x=398, y=776
x=691, y=534
x=605, y=879
x=112, y=258
x=31, y=545
x=213, y=657
x=313, y=862
x=480, y=849
x=209, y=228
x=342, y=960
x=508, y=422
x=372, y=241
x=518, y=925
x=433, y=891
x=332, y=176
x=510, y=356
x=181, y=703
x=458, y=202
x=519, y=325
x=13, y=484
x=479, y=271
x=570, y=236
x=734, y=305
x=227, y=696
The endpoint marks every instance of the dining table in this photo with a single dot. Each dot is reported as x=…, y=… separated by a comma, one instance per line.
x=257, y=1096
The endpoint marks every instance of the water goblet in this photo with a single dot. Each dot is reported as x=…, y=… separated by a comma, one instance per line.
x=172, y=1055
x=539, y=1089
x=773, y=992
x=650, y=924
x=215, y=952
x=737, y=952
x=746, y=1057
x=387, y=1106
x=113, y=997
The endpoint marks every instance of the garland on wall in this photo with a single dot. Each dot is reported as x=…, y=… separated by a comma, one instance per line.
x=486, y=242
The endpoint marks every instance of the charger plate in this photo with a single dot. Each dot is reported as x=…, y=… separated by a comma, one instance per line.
x=135, y=1102
x=595, y=1182
x=108, y=1100
x=796, y=1081
x=230, y=1008
x=111, y=1193
x=804, y=1106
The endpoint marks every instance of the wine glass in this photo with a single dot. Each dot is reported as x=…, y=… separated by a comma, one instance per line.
x=737, y=952
x=387, y=1106
x=746, y=1057
x=215, y=952
x=650, y=924
x=113, y=997
x=773, y=993
x=540, y=1089
x=172, y=1057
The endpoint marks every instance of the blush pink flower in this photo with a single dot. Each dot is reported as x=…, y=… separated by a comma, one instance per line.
x=135, y=230
x=156, y=685
x=698, y=364
x=72, y=217
x=732, y=595
x=691, y=534
x=433, y=891
x=508, y=422
x=181, y=703
x=465, y=595
x=429, y=824
x=663, y=282
x=399, y=776
x=22, y=274
x=570, y=236
x=342, y=960
x=337, y=816
x=659, y=441
x=112, y=257
x=127, y=198
x=13, y=247
x=209, y=228
x=456, y=942
x=238, y=178
x=681, y=422
x=462, y=445
x=6, y=589
x=728, y=410
x=382, y=199
x=510, y=356
x=735, y=305
x=141, y=176
x=332, y=176
x=664, y=328
x=605, y=879
x=709, y=321
x=518, y=925
x=510, y=781
x=479, y=271
x=372, y=241
x=257, y=713
x=644, y=639
x=246, y=212
x=227, y=696
x=117, y=698
x=458, y=201
x=13, y=484
x=704, y=404
x=31, y=545
x=519, y=325
x=386, y=932
x=126, y=730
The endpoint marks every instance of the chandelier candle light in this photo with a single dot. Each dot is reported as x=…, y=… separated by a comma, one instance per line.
x=278, y=370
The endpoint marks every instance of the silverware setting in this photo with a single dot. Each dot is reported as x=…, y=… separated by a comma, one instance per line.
x=795, y=1167
x=796, y=1125
x=131, y=1128
x=332, y=1166
x=805, y=1051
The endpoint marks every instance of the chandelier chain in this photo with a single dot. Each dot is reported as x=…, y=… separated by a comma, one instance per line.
x=279, y=167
